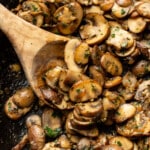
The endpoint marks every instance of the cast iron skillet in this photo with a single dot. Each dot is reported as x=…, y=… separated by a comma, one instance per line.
x=10, y=131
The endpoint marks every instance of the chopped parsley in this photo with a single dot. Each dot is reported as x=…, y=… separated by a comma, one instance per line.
x=122, y=12
x=113, y=35
x=34, y=8
x=78, y=90
x=119, y=143
x=52, y=133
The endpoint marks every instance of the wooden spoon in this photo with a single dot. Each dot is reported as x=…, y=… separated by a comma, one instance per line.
x=33, y=45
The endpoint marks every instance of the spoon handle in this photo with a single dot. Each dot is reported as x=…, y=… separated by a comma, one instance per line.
x=26, y=38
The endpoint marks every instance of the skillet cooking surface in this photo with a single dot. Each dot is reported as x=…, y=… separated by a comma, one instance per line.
x=9, y=82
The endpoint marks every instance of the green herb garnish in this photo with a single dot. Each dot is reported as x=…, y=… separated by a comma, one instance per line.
x=112, y=35
x=78, y=90
x=122, y=12
x=119, y=143
x=34, y=8
x=52, y=133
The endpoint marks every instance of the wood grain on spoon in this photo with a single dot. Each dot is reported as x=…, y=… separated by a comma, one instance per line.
x=33, y=45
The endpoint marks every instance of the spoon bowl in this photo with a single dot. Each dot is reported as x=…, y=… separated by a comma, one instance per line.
x=34, y=46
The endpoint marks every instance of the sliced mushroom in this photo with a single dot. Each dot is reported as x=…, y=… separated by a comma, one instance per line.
x=143, y=91
x=20, y=103
x=45, y=12
x=96, y=53
x=124, y=112
x=126, y=93
x=124, y=3
x=82, y=53
x=24, y=97
x=131, y=59
x=80, y=124
x=111, y=64
x=136, y=25
x=139, y=125
x=106, y=5
x=111, y=100
x=114, y=81
x=96, y=30
x=85, y=90
x=111, y=94
x=120, y=38
x=56, y=99
x=77, y=115
x=90, y=109
x=138, y=105
x=127, y=52
x=144, y=9
x=129, y=81
x=90, y=132
x=68, y=17
x=96, y=74
x=25, y=15
x=12, y=110
x=52, y=76
x=141, y=68
x=68, y=78
x=68, y=126
x=32, y=12
x=110, y=104
x=122, y=142
x=119, y=11
x=31, y=6
x=69, y=55
x=63, y=84
x=51, y=96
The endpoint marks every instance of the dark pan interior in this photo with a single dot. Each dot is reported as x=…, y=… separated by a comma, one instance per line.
x=10, y=81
